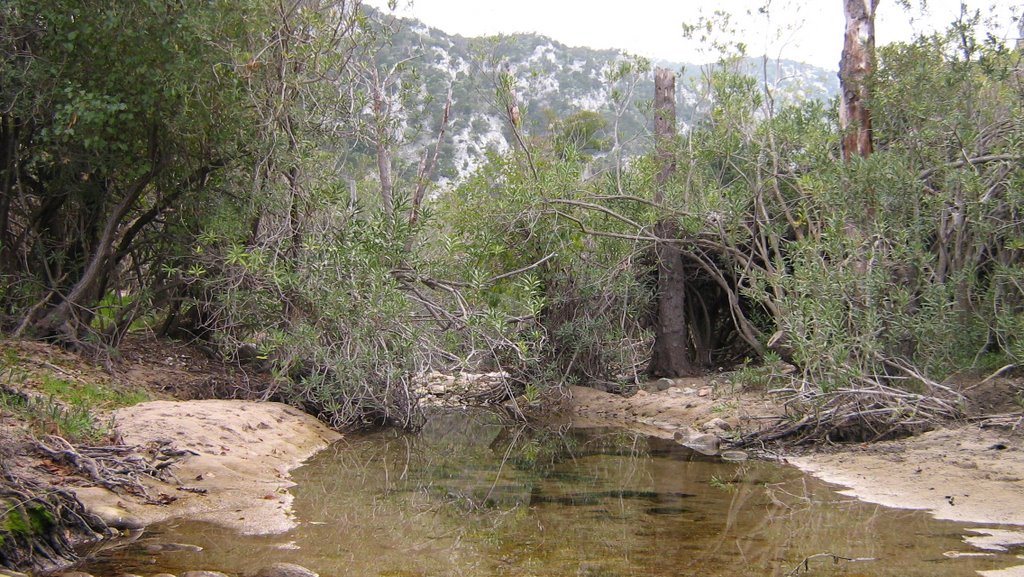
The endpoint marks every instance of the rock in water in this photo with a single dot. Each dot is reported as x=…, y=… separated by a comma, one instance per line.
x=285, y=570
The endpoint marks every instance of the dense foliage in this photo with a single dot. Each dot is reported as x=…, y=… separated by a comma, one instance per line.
x=253, y=176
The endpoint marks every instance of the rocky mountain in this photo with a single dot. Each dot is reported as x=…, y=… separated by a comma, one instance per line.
x=552, y=82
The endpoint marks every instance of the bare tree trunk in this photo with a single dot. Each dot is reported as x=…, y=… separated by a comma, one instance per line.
x=381, y=116
x=671, y=354
x=855, y=68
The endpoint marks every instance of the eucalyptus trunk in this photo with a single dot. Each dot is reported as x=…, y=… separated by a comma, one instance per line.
x=671, y=356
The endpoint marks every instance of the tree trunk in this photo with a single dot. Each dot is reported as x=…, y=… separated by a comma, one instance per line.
x=855, y=68
x=381, y=117
x=67, y=320
x=671, y=356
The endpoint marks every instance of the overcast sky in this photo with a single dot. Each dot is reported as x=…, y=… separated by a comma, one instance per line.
x=805, y=30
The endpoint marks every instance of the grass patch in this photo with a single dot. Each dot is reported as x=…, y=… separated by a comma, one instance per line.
x=94, y=396
x=48, y=416
x=65, y=407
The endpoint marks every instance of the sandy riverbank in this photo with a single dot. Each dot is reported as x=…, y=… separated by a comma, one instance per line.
x=965, y=473
x=236, y=472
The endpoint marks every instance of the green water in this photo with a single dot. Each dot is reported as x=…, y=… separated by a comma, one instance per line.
x=475, y=497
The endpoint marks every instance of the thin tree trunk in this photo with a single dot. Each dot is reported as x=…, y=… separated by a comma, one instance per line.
x=855, y=68
x=671, y=354
x=65, y=321
x=381, y=112
x=8, y=181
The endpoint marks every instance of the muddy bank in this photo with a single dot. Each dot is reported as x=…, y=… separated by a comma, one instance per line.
x=234, y=472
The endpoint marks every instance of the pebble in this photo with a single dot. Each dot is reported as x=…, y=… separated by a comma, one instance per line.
x=116, y=517
x=734, y=455
x=172, y=547
x=717, y=423
x=285, y=570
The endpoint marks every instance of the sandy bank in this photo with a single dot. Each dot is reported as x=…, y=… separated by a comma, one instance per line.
x=964, y=474
x=236, y=472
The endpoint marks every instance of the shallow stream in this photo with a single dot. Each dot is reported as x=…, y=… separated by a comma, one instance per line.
x=473, y=496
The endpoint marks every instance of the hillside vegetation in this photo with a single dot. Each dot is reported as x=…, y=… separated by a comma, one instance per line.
x=259, y=178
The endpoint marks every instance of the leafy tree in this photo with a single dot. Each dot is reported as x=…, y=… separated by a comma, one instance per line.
x=113, y=116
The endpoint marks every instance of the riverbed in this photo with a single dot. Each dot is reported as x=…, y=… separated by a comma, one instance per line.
x=474, y=495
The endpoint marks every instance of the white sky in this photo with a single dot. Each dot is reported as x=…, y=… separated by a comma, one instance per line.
x=804, y=30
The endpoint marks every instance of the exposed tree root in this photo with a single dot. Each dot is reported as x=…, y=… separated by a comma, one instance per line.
x=39, y=522
x=117, y=467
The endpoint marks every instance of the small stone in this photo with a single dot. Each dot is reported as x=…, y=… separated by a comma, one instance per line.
x=116, y=517
x=734, y=455
x=717, y=423
x=704, y=444
x=175, y=547
x=285, y=570
x=435, y=389
x=704, y=391
x=163, y=575
x=663, y=384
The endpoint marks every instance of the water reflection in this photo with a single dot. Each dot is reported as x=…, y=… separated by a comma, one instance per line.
x=471, y=496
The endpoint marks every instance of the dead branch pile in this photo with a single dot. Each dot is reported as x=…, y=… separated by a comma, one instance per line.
x=871, y=411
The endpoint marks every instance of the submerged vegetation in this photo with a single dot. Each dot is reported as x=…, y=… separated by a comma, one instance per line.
x=253, y=177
